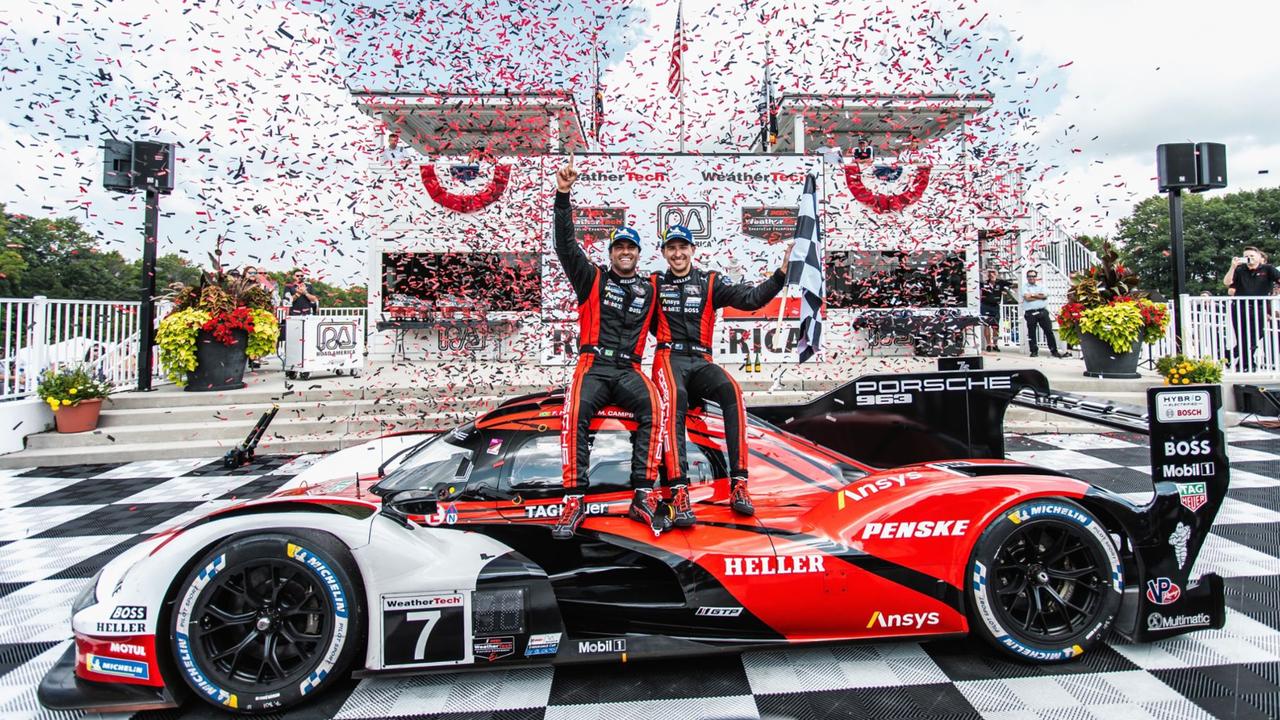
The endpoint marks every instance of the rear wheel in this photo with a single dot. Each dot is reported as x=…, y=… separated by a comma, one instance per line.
x=1045, y=581
x=264, y=622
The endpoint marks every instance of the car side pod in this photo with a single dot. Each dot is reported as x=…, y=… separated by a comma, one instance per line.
x=1190, y=470
x=60, y=689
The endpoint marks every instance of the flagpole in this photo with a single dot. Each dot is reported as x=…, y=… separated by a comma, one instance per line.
x=680, y=24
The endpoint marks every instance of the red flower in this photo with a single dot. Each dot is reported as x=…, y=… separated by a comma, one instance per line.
x=222, y=325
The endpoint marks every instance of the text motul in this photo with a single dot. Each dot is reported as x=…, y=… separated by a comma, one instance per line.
x=768, y=565
x=921, y=529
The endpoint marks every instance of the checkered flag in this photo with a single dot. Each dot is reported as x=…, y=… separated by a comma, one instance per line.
x=804, y=270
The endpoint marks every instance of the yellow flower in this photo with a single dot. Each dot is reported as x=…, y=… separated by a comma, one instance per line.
x=73, y=391
x=1186, y=381
x=66, y=401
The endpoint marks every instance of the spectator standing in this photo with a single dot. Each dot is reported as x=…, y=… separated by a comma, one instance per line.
x=1036, y=311
x=260, y=276
x=1250, y=277
x=299, y=296
x=992, y=290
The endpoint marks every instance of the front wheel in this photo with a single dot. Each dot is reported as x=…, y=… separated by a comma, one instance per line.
x=264, y=622
x=1045, y=581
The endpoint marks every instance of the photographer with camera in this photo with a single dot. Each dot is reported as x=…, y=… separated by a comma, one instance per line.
x=1248, y=279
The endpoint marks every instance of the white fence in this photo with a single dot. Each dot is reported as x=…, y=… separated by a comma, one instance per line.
x=1245, y=331
x=39, y=333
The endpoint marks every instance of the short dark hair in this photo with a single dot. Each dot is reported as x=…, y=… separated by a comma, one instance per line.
x=1247, y=248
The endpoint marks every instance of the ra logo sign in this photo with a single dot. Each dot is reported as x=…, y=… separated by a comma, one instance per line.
x=333, y=338
x=695, y=216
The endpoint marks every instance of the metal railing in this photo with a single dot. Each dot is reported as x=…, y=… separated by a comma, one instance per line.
x=1244, y=331
x=37, y=334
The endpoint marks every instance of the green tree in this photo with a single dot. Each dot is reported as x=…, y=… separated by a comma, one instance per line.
x=63, y=261
x=171, y=269
x=1215, y=228
x=1093, y=242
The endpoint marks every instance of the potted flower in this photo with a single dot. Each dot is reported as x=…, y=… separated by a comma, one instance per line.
x=74, y=396
x=1109, y=316
x=1182, y=370
x=213, y=330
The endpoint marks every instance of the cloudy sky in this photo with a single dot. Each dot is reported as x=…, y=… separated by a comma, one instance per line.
x=272, y=149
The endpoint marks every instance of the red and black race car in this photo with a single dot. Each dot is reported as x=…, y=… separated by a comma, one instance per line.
x=883, y=509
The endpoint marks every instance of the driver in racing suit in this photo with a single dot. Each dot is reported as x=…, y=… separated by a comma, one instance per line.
x=688, y=298
x=615, y=310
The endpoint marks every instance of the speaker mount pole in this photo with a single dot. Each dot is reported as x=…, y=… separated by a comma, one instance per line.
x=146, y=312
x=1179, y=261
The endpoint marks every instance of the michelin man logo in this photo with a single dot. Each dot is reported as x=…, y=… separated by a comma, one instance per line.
x=1178, y=539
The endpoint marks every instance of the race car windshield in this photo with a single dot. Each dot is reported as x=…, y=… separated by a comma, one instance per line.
x=439, y=460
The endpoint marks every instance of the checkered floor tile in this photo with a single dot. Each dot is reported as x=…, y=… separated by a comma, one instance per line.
x=58, y=526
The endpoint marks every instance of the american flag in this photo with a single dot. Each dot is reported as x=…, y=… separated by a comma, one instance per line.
x=677, y=53
x=598, y=114
x=804, y=270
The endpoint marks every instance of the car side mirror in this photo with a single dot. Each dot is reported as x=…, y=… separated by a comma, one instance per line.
x=401, y=504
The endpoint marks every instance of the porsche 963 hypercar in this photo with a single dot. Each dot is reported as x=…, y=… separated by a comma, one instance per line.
x=884, y=509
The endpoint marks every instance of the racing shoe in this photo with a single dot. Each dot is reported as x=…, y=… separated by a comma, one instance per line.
x=571, y=516
x=682, y=506
x=645, y=508
x=739, y=498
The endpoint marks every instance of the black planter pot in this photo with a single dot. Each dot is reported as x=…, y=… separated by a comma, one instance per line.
x=218, y=366
x=1101, y=361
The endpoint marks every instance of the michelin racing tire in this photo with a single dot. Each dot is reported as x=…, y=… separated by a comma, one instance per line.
x=265, y=622
x=1044, y=582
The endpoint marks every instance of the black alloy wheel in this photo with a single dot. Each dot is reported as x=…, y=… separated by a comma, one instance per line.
x=1044, y=581
x=263, y=622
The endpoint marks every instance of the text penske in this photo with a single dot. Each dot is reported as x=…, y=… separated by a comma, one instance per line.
x=920, y=529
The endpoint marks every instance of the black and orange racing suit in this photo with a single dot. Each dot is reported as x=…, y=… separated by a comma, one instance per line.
x=614, y=315
x=682, y=368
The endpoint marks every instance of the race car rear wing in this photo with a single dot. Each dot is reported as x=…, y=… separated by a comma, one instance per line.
x=889, y=420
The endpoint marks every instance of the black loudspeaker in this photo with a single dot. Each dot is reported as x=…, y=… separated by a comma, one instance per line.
x=153, y=166
x=1211, y=165
x=117, y=165
x=1176, y=166
x=1258, y=399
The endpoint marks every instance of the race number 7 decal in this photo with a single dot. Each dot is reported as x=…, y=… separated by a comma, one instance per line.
x=424, y=629
x=429, y=618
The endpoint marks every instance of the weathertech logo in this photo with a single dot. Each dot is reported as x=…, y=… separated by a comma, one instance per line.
x=922, y=529
x=903, y=620
x=782, y=565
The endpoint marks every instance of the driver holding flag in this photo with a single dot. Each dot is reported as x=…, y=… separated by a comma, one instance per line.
x=688, y=298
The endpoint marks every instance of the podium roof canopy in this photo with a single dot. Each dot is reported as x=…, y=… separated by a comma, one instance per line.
x=496, y=123
x=883, y=120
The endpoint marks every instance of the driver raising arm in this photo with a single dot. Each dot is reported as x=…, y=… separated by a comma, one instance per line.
x=688, y=298
x=615, y=308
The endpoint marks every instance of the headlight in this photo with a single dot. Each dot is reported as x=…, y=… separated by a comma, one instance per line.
x=88, y=597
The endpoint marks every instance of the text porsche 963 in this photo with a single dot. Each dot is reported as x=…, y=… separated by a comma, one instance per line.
x=417, y=552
